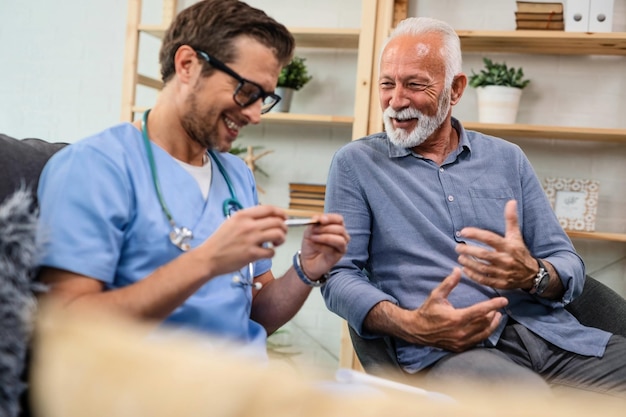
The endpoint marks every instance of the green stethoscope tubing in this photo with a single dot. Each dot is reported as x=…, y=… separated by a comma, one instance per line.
x=230, y=204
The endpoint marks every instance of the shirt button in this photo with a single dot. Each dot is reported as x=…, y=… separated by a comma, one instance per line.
x=441, y=169
x=450, y=198
x=458, y=234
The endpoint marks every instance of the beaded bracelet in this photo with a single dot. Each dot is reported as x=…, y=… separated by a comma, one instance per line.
x=297, y=265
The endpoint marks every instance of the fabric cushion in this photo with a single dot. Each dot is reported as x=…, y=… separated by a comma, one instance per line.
x=600, y=306
x=21, y=162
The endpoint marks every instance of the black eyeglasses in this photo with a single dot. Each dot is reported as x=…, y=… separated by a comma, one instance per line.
x=247, y=92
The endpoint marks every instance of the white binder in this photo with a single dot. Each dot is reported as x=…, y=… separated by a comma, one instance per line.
x=577, y=15
x=600, y=16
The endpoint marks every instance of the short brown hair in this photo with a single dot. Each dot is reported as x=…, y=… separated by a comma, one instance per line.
x=213, y=25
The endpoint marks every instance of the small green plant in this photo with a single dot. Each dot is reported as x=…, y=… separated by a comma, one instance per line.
x=496, y=73
x=294, y=75
x=238, y=149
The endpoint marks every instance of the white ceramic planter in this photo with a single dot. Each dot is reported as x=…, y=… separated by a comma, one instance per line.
x=284, y=104
x=498, y=104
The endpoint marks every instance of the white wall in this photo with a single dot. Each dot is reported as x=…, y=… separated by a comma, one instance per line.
x=60, y=67
x=61, y=74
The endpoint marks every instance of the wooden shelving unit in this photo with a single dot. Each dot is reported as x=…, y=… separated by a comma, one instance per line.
x=586, y=134
x=543, y=42
x=308, y=119
x=528, y=41
x=335, y=38
x=305, y=37
x=326, y=38
x=158, y=31
x=611, y=237
x=323, y=120
x=130, y=76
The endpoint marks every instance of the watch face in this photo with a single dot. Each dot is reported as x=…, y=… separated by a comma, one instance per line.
x=544, y=281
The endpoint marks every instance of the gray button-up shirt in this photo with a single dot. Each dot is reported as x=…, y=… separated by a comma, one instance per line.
x=404, y=214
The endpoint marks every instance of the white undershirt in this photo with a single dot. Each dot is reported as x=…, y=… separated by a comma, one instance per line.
x=202, y=175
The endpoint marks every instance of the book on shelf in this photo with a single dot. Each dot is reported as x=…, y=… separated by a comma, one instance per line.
x=317, y=209
x=307, y=201
x=539, y=7
x=306, y=194
x=545, y=17
x=539, y=25
x=306, y=187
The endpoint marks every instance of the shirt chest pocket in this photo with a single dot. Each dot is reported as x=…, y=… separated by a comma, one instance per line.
x=488, y=208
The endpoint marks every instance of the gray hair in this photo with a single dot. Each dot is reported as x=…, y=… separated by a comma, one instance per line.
x=451, y=51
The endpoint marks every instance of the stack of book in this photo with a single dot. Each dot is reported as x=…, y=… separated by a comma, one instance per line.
x=539, y=16
x=303, y=196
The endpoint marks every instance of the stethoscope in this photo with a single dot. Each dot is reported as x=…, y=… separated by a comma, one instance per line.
x=181, y=236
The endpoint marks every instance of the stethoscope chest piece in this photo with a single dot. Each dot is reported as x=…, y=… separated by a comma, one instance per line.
x=180, y=237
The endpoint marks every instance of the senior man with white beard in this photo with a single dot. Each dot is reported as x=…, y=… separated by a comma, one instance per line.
x=455, y=252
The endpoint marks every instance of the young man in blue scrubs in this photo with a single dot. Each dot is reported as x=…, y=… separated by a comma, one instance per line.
x=156, y=220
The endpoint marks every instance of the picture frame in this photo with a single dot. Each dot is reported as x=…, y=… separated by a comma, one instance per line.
x=574, y=201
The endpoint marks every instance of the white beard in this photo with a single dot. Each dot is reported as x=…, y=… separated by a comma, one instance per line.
x=426, y=125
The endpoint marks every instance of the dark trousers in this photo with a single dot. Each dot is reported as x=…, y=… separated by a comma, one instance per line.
x=525, y=361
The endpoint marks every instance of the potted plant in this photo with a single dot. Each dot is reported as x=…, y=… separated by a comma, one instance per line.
x=292, y=78
x=499, y=89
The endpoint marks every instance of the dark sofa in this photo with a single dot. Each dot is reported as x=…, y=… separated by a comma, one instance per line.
x=21, y=162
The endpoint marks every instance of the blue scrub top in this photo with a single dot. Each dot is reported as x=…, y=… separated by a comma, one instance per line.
x=100, y=217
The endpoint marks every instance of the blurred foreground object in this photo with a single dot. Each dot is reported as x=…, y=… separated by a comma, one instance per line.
x=17, y=302
x=94, y=364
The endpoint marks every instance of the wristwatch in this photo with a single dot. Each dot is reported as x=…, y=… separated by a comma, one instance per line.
x=542, y=279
